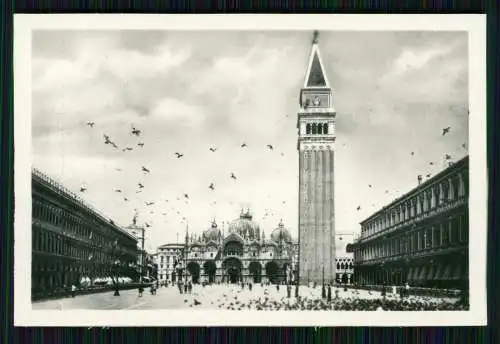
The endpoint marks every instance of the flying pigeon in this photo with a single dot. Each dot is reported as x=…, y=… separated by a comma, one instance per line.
x=386, y=191
x=358, y=208
x=140, y=185
x=144, y=169
x=464, y=146
x=233, y=176
x=90, y=124
x=164, y=213
x=114, y=145
x=446, y=130
x=127, y=149
x=118, y=190
x=243, y=145
x=135, y=131
x=147, y=225
x=186, y=196
x=107, y=139
x=431, y=163
x=270, y=147
x=125, y=199
x=149, y=203
x=83, y=189
x=412, y=153
x=212, y=149
x=369, y=185
x=141, y=144
x=282, y=154
x=447, y=156
x=428, y=175
x=118, y=169
x=179, y=155
x=211, y=186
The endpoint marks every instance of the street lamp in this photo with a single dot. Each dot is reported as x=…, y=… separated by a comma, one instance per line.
x=323, y=290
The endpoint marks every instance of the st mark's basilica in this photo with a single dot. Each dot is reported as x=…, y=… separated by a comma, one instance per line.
x=243, y=254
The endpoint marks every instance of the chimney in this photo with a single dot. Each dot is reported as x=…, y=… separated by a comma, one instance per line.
x=419, y=178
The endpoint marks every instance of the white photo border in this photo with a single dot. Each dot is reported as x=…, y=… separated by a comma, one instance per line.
x=474, y=24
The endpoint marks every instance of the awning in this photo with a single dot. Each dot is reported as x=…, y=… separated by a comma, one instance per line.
x=457, y=274
x=437, y=273
x=415, y=274
x=423, y=274
x=430, y=275
x=447, y=272
x=410, y=272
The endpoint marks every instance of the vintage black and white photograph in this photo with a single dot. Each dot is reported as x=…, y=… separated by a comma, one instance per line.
x=287, y=169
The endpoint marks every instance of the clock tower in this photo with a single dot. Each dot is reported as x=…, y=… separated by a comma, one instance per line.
x=316, y=130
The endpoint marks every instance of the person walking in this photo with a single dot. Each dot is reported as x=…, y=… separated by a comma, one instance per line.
x=407, y=289
x=141, y=290
x=73, y=290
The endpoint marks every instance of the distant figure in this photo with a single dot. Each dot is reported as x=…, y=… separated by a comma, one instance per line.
x=117, y=291
x=407, y=289
x=190, y=287
x=141, y=290
x=73, y=290
x=277, y=286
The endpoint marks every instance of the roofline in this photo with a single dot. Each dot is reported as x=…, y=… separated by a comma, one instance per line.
x=171, y=244
x=54, y=185
x=456, y=165
x=315, y=49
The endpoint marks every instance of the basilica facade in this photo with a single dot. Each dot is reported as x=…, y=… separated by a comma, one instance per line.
x=243, y=254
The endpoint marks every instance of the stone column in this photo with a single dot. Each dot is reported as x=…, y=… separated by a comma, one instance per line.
x=451, y=190
x=461, y=185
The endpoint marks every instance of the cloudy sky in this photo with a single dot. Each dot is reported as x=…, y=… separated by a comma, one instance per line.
x=189, y=91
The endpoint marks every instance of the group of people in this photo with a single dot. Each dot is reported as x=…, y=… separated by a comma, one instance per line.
x=185, y=287
x=152, y=289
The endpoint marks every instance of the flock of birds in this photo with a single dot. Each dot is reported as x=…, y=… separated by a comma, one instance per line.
x=447, y=157
x=135, y=132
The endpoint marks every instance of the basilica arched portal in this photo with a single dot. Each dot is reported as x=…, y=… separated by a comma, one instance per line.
x=194, y=271
x=210, y=269
x=255, y=270
x=231, y=270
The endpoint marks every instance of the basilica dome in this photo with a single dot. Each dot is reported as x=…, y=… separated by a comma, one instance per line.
x=245, y=227
x=212, y=234
x=281, y=233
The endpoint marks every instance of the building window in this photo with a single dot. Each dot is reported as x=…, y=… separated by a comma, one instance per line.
x=314, y=129
x=325, y=128
x=308, y=128
x=320, y=128
x=454, y=231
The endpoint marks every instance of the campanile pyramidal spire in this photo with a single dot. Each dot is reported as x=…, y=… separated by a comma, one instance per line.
x=316, y=129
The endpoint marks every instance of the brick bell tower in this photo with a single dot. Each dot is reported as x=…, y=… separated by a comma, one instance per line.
x=316, y=129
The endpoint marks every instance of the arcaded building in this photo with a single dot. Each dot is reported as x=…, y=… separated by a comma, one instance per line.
x=72, y=241
x=422, y=237
x=243, y=254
